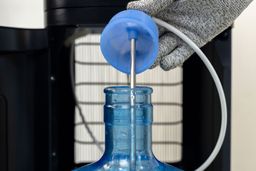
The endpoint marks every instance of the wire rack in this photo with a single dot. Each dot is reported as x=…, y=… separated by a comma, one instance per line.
x=93, y=74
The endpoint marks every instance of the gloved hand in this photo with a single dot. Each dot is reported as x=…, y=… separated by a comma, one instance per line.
x=200, y=20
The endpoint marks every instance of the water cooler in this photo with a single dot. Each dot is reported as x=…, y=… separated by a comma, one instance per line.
x=37, y=105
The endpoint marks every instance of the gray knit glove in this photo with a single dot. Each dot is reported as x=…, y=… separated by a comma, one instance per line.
x=200, y=20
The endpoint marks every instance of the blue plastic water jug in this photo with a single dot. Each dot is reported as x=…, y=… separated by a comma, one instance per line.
x=118, y=135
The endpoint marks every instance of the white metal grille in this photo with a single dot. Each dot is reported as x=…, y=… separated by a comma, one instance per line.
x=93, y=74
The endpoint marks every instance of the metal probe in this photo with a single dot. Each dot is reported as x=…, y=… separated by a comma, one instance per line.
x=132, y=103
x=133, y=73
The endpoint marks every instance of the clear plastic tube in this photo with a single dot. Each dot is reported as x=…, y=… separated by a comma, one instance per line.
x=217, y=82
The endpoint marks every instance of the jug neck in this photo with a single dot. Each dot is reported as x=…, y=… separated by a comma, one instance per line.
x=117, y=112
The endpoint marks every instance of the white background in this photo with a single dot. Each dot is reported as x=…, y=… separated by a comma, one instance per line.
x=244, y=92
x=22, y=13
x=29, y=14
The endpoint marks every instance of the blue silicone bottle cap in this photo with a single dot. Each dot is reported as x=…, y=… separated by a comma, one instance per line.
x=115, y=40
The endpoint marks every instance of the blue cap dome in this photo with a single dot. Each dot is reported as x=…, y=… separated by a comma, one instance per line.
x=115, y=40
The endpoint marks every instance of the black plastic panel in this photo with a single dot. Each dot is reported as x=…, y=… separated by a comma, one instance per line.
x=53, y=4
x=201, y=106
x=82, y=12
x=24, y=130
x=94, y=16
x=3, y=134
x=12, y=39
x=62, y=109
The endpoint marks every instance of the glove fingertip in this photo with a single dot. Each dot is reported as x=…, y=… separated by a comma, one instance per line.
x=136, y=5
x=166, y=66
x=156, y=63
x=154, y=66
x=142, y=6
x=132, y=5
x=176, y=58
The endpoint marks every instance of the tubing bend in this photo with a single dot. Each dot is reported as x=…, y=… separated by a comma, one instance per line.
x=219, y=87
